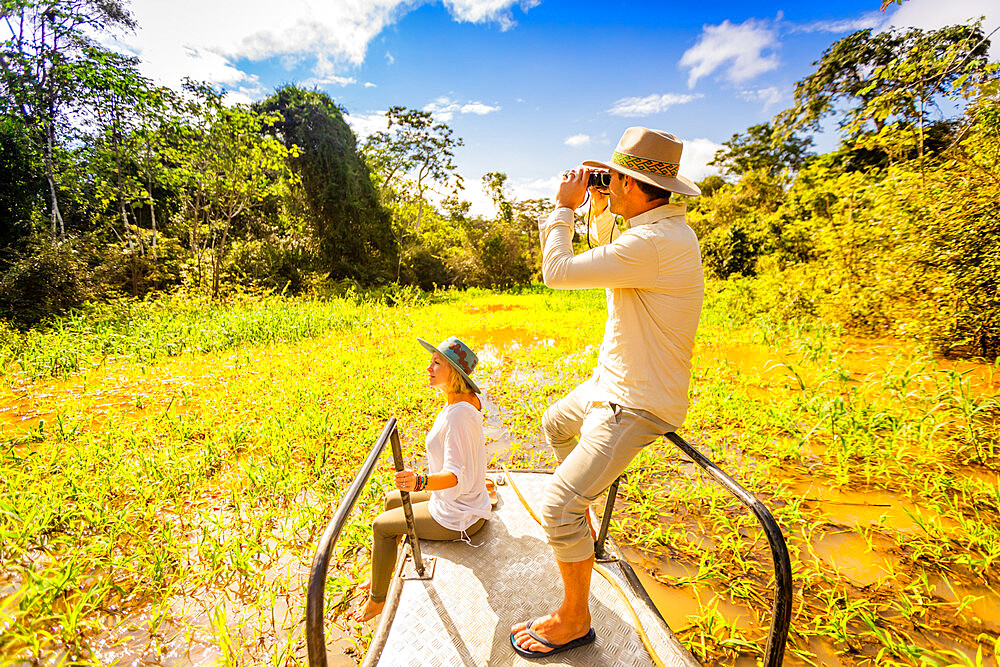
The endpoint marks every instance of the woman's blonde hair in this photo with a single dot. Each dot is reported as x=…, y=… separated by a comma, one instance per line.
x=456, y=383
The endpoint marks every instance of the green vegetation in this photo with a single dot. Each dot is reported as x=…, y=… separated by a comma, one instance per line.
x=204, y=316
x=164, y=490
x=110, y=185
x=890, y=233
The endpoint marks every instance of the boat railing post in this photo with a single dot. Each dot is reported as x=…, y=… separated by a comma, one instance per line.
x=609, y=508
x=411, y=529
x=315, y=635
x=781, y=614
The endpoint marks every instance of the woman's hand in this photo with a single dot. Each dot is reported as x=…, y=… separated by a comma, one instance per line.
x=406, y=480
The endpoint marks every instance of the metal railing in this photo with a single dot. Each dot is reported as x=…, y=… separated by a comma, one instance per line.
x=781, y=612
x=315, y=635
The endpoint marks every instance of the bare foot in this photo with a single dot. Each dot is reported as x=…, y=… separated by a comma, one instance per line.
x=552, y=628
x=367, y=586
x=371, y=610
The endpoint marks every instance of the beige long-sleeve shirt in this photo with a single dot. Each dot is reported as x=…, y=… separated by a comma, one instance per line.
x=603, y=228
x=655, y=287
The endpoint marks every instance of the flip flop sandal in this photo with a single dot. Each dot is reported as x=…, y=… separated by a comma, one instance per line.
x=556, y=648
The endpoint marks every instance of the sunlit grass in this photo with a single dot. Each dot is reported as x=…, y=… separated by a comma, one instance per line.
x=171, y=491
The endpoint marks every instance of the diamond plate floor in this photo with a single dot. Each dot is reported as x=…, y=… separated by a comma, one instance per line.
x=463, y=615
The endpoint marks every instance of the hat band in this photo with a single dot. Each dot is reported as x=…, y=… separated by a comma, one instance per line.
x=460, y=357
x=645, y=164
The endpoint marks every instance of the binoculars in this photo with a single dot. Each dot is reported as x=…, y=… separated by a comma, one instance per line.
x=597, y=179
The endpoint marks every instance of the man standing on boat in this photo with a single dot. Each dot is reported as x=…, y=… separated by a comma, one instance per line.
x=639, y=390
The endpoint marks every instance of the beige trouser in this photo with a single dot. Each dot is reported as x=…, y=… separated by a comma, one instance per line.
x=390, y=525
x=610, y=437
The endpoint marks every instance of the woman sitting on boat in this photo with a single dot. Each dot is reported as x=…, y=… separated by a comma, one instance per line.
x=450, y=502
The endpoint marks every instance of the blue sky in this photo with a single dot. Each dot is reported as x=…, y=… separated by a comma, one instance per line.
x=532, y=86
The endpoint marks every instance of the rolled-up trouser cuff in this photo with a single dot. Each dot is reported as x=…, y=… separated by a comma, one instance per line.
x=610, y=437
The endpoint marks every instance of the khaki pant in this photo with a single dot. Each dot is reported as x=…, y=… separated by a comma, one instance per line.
x=610, y=436
x=390, y=525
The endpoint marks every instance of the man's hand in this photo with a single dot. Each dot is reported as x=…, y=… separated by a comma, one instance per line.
x=573, y=189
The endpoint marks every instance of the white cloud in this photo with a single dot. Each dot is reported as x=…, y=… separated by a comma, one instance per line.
x=325, y=76
x=537, y=188
x=389, y=58
x=933, y=14
x=369, y=84
x=365, y=125
x=738, y=48
x=649, y=105
x=696, y=156
x=577, y=140
x=866, y=20
x=769, y=96
x=477, y=108
x=444, y=109
x=329, y=80
x=239, y=97
x=482, y=11
x=173, y=45
x=481, y=203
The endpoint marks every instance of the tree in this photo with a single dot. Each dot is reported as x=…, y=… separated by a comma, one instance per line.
x=417, y=147
x=122, y=103
x=526, y=214
x=21, y=184
x=505, y=249
x=338, y=198
x=41, y=63
x=709, y=186
x=762, y=148
x=495, y=184
x=225, y=164
x=875, y=76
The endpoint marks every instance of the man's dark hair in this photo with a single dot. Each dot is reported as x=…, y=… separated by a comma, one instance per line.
x=652, y=192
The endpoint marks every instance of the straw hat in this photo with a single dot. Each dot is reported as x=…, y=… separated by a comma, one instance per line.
x=459, y=355
x=652, y=157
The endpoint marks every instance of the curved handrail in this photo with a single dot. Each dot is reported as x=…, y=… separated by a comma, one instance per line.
x=315, y=637
x=774, y=651
x=781, y=613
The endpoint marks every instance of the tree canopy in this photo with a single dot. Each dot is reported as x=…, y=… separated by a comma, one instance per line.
x=761, y=148
x=355, y=237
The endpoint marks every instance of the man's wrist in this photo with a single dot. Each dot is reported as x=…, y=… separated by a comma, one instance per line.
x=561, y=215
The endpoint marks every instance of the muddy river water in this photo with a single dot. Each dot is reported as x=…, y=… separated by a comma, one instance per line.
x=840, y=546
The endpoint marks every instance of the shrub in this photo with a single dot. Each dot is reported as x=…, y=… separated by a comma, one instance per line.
x=43, y=282
x=277, y=264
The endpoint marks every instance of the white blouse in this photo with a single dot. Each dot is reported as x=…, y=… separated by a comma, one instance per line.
x=456, y=444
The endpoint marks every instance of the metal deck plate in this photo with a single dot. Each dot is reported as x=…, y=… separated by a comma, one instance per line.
x=463, y=615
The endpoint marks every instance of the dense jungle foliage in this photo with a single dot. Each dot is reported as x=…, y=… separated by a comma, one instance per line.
x=111, y=185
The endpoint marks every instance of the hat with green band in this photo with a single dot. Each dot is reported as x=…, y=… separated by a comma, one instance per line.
x=652, y=157
x=459, y=355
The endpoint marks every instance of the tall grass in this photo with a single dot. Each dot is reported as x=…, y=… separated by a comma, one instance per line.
x=184, y=518
x=143, y=331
